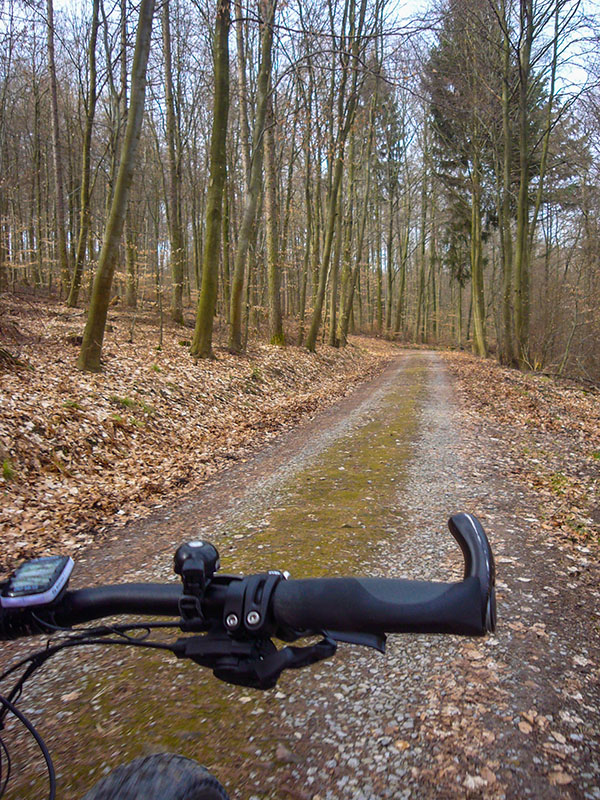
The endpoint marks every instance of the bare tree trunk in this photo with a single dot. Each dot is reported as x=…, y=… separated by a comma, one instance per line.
x=390, y=267
x=335, y=268
x=379, y=293
x=174, y=204
x=507, y=352
x=242, y=92
x=349, y=299
x=84, y=224
x=226, y=221
x=91, y=348
x=131, y=250
x=346, y=111
x=479, y=342
x=202, y=341
x=346, y=277
x=264, y=74
x=275, y=322
x=521, y=289
x=419, y=332
x=58, y=170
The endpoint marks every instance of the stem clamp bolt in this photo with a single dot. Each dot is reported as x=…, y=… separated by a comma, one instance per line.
x=231, y=621
x=253, y=618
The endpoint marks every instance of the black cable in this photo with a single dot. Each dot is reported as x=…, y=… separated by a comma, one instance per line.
x=124, y=642
x=122, y=630
x=86, y=632
x=40, y=743
x=8, y=767
x=45, y=625
x=39, y=657
x=36, y=660
x=99, y=630
x=17, y=690
x=21, y=663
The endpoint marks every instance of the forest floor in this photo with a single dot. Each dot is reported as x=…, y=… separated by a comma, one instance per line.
x=551, y=430
x=81, y=452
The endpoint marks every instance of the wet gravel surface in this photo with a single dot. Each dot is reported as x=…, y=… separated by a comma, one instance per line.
x=512, y=715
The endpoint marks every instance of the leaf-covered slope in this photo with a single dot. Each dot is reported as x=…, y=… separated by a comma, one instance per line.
x=80, y=451
x=551, y=429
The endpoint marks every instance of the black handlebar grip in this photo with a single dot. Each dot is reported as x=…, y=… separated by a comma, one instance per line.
x=479, y=561
x=380, y=605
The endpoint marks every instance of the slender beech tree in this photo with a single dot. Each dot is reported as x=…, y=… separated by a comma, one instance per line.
x=267, y=8
x=352, y=45
x=61, y=235
x=522, y=254
x=93, y=336
x=348, y=295
x=85, y=202
x=507, y=352
x=276, y=335
x=174, y=183
x=203, y=333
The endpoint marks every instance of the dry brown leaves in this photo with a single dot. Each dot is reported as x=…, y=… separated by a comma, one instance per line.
x=552, y=430
x=80, y=451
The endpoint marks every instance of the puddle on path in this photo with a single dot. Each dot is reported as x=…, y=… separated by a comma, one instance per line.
x=332, y=516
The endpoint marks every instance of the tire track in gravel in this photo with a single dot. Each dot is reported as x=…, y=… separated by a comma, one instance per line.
x=437, y=716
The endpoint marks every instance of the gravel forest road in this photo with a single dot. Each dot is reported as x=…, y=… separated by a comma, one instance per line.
x=365, y=487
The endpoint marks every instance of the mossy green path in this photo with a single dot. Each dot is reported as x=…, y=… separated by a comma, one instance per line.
x=330, y=516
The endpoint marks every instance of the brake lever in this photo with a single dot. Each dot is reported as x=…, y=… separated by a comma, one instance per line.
x=374, y=640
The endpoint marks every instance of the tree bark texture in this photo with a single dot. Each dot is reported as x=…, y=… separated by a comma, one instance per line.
x=174, y=183
x=91, y=348
x=84, y=223
x=203, y=332
x=273, y=259
x=61, y=236
x=262, y=90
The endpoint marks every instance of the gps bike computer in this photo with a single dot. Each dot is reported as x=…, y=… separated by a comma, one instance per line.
x=37, y=582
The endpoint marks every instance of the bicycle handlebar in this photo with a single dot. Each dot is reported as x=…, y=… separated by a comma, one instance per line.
x=352, y=605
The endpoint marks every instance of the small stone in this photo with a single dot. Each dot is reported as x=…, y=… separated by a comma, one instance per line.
x=559, y=778
x=488, y=776
x=474, y=782
x=66, y=698
x=401, y=744
x=284, y=755
x=525, y=727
